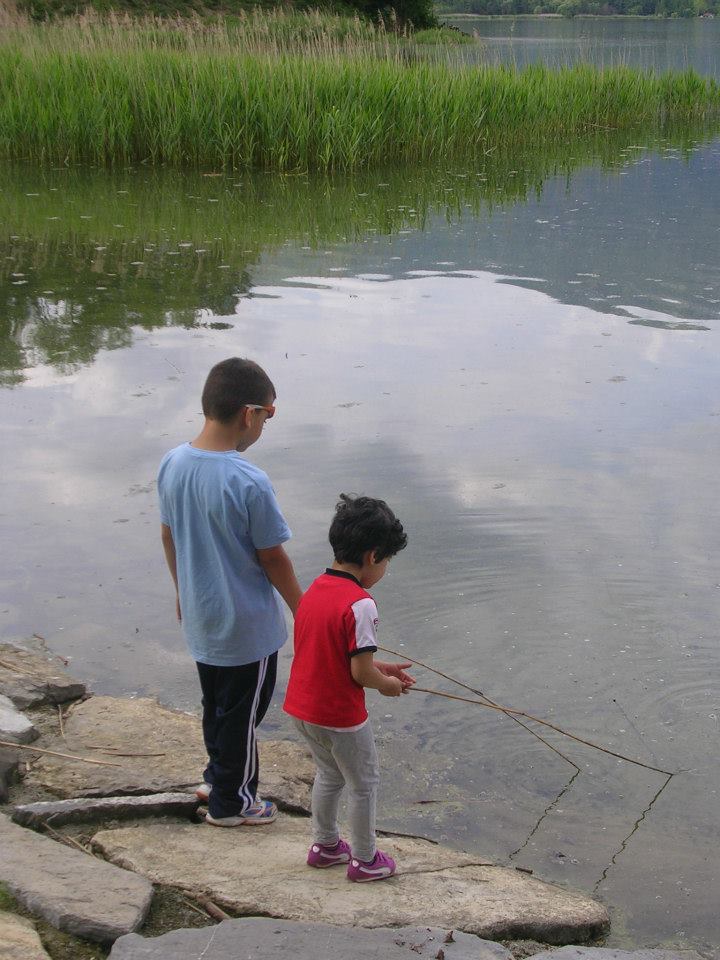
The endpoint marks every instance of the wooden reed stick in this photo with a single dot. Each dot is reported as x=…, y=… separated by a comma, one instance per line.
x=546, y=723
x=52, y=753
x=60, y=719
x=479, y=693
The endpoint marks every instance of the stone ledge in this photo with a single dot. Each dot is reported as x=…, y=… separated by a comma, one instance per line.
x=73, y=891
x=265, y=939
x=262, y=871
x=87, y=809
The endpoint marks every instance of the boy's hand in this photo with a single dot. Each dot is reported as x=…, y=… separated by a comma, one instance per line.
x=392, y=687
x=396, y=670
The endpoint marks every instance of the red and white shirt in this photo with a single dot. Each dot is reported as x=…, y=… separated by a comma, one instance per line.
x=336, y=620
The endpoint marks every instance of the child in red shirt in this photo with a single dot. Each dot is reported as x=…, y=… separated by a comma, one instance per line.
x=335, y=639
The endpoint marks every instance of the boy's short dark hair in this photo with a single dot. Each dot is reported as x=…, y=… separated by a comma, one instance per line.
x=361, y=524
x=233, y=383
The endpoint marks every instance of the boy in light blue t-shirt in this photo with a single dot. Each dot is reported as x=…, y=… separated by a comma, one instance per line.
x=222, y=532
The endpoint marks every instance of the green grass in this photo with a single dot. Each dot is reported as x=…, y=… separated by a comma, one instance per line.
x=443, y=35
x=7, y=901
x=297, y=92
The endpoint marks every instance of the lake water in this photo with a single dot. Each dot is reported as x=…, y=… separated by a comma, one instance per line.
x=522, y=359
x=604, y=41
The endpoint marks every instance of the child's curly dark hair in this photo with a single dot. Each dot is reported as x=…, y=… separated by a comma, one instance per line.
x=364, y=523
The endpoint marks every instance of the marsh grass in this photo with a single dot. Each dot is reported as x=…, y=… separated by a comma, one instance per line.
x=297, y=92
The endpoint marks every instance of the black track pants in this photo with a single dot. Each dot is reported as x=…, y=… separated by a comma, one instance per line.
x=235, y=699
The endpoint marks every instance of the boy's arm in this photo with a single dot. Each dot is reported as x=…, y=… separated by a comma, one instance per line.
x=396, y=670
x=279, y=571
x=171, y=558
x=367, y=674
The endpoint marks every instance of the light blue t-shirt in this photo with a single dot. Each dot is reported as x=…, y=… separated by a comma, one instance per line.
x=221, y=509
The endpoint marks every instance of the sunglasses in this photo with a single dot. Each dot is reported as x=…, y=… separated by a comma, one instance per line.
x=270, y=411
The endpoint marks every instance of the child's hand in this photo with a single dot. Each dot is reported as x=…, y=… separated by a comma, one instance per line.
x=392, y=687
x=396, y=670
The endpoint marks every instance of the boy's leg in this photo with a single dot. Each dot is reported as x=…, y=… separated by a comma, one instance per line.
x=356, y=758
x=241, y=694
x=207, y=675
x=327, y=785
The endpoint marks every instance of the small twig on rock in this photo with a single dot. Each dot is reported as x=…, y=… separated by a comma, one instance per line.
x=54, y=753
x=15, y=668
x=63, y=838
x=60, y=721
x=212, y=909
x=188, y=903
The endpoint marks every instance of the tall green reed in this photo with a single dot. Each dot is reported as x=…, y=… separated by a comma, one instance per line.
x=297, y=92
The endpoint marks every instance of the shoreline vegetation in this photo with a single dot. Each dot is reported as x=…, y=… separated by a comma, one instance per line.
x=291, y=91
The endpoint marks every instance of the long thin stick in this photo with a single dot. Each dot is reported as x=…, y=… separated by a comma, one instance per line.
x=52, y=753
x=479, y=693
x=16, y=668
x=521, y=713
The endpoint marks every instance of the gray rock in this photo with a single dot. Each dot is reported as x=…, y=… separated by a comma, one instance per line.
x=264, y=939
x=73, y=891
x=9, y=764
x=30, y=680
x=15, y=726
x=607, y=953
x=57, y=812
x=163, y=752
x=262, y=870
x=19, y=939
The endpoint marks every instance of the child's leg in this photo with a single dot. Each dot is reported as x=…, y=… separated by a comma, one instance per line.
x=239, y=694
x=327, y=785
x=207, y=674
x=356, y=758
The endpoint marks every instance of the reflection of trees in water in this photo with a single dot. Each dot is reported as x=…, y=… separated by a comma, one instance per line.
x=63, y=302
x=90, y=255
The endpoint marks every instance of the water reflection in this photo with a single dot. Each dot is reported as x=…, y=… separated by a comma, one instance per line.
x=87, y=257
x=553, y=460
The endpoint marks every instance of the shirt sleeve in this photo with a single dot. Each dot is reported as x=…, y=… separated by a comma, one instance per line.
x=268, y=527
x=362, y=637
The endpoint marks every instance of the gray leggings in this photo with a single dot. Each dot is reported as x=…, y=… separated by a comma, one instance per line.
x=344, y=758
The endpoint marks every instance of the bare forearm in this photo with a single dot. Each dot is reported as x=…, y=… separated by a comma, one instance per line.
x=370, y=677
x=169, y=548
x=171, y=559
x=365, y=673
x=279, y=571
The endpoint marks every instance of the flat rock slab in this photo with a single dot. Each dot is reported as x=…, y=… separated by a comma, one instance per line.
x=19, y=939
x=73, y=891
x=30, y=680
x=262, y=870
x=157, y=750
x=58, y=812
x=606, y=953
x=264, y=939
x=14, y=725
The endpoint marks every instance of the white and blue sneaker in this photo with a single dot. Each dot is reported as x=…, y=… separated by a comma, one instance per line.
x=262, y=811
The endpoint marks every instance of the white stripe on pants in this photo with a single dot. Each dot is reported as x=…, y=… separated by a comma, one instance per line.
x=344, y=758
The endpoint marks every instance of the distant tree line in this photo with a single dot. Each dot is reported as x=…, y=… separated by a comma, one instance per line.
x=418, y=13
x=571, y=8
